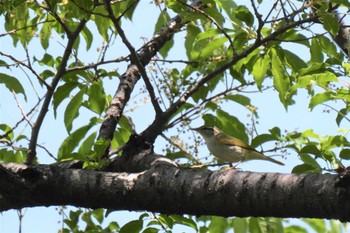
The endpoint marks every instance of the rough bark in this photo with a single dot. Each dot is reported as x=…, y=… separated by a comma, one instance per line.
x=168, y=188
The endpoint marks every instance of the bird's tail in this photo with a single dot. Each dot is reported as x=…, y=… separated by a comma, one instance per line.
x=258, y=155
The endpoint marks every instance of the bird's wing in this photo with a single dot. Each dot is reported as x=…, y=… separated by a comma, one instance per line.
x=226, y=140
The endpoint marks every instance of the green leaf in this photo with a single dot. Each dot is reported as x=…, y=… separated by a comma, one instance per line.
x=210, y=33
x=330, y=48
x=295, y=229
x=313, y=68
x=240, y=40
x=231, y=125
x=88, y=37
x=244, y=14
x=345, y=154
x=98, y=214
x=259, y=70
x=102, y=23
x=275, y=131
x=305, y=168
x=280, y=77
x=211, y=47
x=254, y=225
x=192, y=32
x=311, y=149
x=187, y=221
x=210, y=119
x=229, y=7
x=206, y=43
x=294, y=61
x=218, y=224
x=315, y=51
x=341, y=115
x=319, y=225
x=162, y=21
x=330, y=23
x=6, y=128
x=12, y=84
x=72, y=221
x=72, y=110
x=134, y=226
x=97, y=98
x=262, y=138
x=101, y=146
x=241, y=99
x=319, y=98
x=150, y=230
x=71, y=142
x=45, y=34
x=47, y=60
x=87, y=144
x=240, y=225
x=62, y=93
x=113, y=226
x=307, y=159
x=47, y=74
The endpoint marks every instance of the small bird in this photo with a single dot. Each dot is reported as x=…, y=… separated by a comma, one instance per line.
x=229, y=149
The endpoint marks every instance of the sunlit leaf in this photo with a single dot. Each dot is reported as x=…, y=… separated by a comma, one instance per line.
x=262, y=138
x=97, y=98
x=98, y=215
x=315, y=51
x=218, y=224
x=61, y=94
x=162, y=21
x=305, y=168
x=280, y=77
x=330, y=23
x=12, y=84
x=319, y=225
x=259, y=70
x=134, y=226
x=72, y=110
x=231, y=125
x=88, y=37
x=240, y=225
x=244, y=14
x=319, y=99
x=72, y=141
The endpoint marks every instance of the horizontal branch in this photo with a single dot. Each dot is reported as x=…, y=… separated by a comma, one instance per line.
x=170, y=189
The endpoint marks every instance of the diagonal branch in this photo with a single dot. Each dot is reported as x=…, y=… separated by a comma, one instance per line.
x=131, y=76
x=158, y=125
x=44, y=108
x=134, y=58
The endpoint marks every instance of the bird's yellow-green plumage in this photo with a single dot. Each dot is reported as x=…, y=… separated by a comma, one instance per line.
x=228, y=148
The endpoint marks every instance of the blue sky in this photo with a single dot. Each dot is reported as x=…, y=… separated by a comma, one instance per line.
x=270, y=110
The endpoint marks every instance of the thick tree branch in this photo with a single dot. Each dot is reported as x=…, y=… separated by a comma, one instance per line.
x=170, y=189
x=134, y=58
x=131, y=76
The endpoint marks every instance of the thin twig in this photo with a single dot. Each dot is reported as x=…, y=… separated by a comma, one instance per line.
x=95, y=65
x=47, y=151
x=21, y=109
x=29, y=67
x=20, y=121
